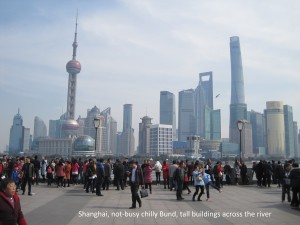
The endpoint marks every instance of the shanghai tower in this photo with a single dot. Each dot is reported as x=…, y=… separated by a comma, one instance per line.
x=238, y=107
x=73, y=67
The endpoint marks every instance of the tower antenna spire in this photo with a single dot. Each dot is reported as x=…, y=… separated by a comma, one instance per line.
x=75, y=38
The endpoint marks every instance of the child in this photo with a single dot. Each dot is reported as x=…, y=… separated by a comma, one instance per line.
x=207, y=181
x=16, y=176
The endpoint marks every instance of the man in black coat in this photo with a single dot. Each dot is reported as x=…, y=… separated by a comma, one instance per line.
x=28, y=173
x=179, y=179
x=119, y=174
x=135, y=180
x=107, y=174
x=295, y=184
x=100, y=176
x=37, y=167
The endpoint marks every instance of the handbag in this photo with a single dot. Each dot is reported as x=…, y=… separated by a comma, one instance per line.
x=144, y=193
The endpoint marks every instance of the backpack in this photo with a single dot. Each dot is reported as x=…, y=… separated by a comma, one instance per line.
x=49, y=170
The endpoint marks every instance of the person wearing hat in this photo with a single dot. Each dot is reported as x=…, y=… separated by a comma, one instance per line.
x=135, y=180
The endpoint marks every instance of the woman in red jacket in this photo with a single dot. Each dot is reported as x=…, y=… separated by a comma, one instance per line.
x=10, y=207
x=165, y=169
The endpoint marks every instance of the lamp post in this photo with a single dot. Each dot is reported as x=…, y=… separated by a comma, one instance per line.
x=240, y=125
x=96, y=125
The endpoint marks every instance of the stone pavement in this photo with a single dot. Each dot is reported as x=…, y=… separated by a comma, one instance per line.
x=235, y=205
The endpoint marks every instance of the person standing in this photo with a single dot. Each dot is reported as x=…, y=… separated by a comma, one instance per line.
x=295, y=184
x=165, y=169
x=147, y=172
x=157, y=167
x=43, y=169
x=135, y=180
x=227, y=172
x=173, y=167
x=60, y=173
x=37, y=167
x=107, y=175
x=90, y=175
x=100, y=176
x=10, y=207
x=119, y=174
x=28, y=173
x=179, y=179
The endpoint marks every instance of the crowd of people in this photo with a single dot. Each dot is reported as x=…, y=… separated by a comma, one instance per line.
x=99, y=175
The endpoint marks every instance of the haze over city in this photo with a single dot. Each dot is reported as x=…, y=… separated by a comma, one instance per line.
x=130, y=50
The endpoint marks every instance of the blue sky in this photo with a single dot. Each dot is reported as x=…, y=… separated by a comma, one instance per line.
x=130, y=50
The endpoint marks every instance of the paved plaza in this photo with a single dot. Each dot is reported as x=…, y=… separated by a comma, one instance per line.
x=235, y=205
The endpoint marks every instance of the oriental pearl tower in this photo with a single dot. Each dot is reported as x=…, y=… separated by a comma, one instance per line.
x=70, y=126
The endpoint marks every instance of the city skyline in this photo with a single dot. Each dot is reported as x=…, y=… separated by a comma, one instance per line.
x=125, y=61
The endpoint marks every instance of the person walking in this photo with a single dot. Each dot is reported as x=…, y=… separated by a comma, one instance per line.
x=28, y=175
x=198, y=183
x=135, y=180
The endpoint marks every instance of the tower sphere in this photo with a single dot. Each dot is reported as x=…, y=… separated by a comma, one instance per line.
x=70, y=125
x=73, y=67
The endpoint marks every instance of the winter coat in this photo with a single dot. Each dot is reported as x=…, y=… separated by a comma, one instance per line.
x=197, y=182
x=147, y=171
x=8, y=213
x=60, y=170
x=68, y=171
x=165, y=169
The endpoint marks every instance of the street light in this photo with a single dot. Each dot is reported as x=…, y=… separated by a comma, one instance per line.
x=240, y=125
x=96, y=125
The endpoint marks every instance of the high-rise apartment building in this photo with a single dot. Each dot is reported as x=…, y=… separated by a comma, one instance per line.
x=275, y=129
x=238, y=107
x=161, y=142
x=186, y=114
x=40, y=128
x=167, y=113
x=289, y=131
x=144, y=135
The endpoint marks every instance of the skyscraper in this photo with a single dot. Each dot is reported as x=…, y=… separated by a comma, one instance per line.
x=289, y=131
x=204, y=103
x=186, y=114
x=40, y=129
x=238, y=107
x=144, y=135
x=16, y=135
x=127, y=138
x=257, y=121
x=70, y=126
x=275, y=129
x=167, y=113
